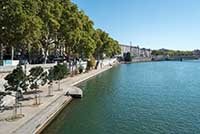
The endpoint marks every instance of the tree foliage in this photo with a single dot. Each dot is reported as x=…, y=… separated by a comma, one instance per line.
x=43, y=24
x=58, y=72
x=105, y=45
x=37, y=77
x=128, y=57
x=20, y=24
x=16, y=80
x=90, y=63
x=172, y=53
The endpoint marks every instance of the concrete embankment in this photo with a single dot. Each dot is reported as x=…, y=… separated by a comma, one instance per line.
x=36, y=118
x=44, y=124
x=52, y=117
x=141, y=59
x=135, y=60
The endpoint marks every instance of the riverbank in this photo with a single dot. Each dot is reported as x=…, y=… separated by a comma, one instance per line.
x=136, y=60
x=37, y=117
x=130, y=99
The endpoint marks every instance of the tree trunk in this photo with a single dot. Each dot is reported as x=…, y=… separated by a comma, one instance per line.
x=1, y=51
x=70, y=67
x=45, y=56
x=60, y=50
x=45, y=46
x=1, y=60
x=73, y=67
x=25, y=69
x=76, y=65
x=29, y=56
x=12, y=53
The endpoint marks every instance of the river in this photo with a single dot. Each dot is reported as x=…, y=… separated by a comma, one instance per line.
x=139, y=98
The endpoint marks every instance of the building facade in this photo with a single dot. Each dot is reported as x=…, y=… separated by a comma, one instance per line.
x=135, y=51
x=125, y=49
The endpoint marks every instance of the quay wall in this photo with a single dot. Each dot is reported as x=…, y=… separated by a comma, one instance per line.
x=36, y=119
x=141, y=59
x=106, y=66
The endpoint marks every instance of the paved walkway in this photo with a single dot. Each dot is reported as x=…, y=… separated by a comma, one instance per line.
x=36, y=116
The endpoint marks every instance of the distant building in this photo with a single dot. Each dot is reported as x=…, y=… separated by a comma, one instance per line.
x=135, y=51
x=147, y=53
x=125, y=49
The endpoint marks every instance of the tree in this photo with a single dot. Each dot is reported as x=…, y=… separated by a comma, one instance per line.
x=32, y=25
x=116, y=48
x=58, y=72
x=11, y=18
x=90, y=63
x=16, y=82
x=75, y=32
x=171, y=52
x=19, y=23
x=105, y=44
x=80, y=69
x=86, y=46
x=128, y=57
x=50, y=78
x=99, y=43
x=37, y=78
x=51, y=11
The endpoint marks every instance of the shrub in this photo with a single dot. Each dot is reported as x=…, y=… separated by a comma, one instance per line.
x=128, y=57
x=37, y=78
x=80, y=69
x=16, y=81
x=91, y=63
x=58, y=73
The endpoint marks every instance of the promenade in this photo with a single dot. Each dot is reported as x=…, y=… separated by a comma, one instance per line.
x=35, y=117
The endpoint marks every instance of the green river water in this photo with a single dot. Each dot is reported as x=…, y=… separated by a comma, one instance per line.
x=139, y=98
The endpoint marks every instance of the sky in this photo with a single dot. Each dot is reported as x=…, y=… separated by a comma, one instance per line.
x=155, y=24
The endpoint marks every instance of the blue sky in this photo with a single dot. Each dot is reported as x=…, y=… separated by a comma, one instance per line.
x=172, y=24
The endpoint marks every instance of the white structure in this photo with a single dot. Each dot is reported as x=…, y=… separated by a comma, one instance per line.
x=146, y=53
x=135, y=51
x=125, y=49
